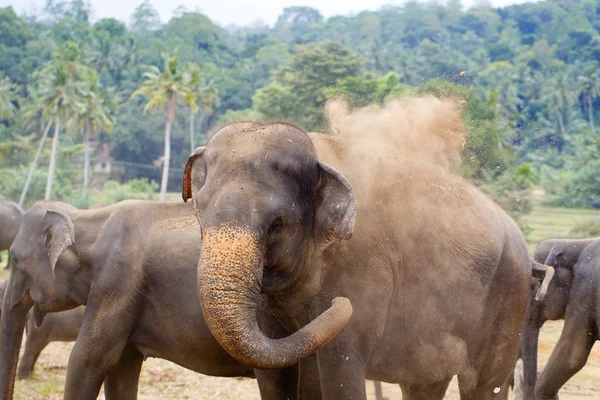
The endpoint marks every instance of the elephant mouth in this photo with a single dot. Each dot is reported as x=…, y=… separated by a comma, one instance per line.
x=38, y=315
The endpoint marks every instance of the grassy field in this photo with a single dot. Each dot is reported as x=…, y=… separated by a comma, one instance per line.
x=553, y=222
x=164, y=380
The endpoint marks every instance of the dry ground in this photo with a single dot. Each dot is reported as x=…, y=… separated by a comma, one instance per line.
x=164, y=380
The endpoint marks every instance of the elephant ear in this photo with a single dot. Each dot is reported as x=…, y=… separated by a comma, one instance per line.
x=59, y=235
x=335, y=208
x=193, y=178
x=553, y=255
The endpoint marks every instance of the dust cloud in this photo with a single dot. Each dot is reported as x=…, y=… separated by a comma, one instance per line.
x=423, y=128
x=412, y=144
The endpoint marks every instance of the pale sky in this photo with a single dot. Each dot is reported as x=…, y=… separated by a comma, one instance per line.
x=225, y=12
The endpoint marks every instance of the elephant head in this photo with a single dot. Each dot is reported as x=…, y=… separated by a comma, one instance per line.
x=43, y=237
x=265, y=205
x=562, y=255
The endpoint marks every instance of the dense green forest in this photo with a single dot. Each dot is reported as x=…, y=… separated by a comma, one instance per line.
x=526, y=76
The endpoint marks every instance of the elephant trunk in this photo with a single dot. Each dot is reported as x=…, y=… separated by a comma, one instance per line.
x=229, y=282
x=14, y=316
x=529, y=347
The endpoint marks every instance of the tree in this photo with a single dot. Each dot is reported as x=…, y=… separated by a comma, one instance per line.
x=14, y=35
x=299, y=90
x=60, y=93
x=560, y=96
x=96, y=112
x=203, y=94
x=8, y=98
x=589, y=87
x=163, y=89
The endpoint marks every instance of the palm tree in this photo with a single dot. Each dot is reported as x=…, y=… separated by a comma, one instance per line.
x=204, y=94
x=162, y=89
x=589, y=87
x=8, y=98
x=98, y=105
x=31, y=112
x=60, y=94
x=560, y=97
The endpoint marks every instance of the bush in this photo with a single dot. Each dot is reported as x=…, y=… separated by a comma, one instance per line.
x=577, y=189
x=512, y=192
x=13, y=180
x=586, y=230
x=136, y=189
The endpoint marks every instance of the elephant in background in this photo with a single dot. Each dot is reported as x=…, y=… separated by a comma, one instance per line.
x=282, y=216
x=57, y=327
x=10, y=220
x=565, y=299
x=133, y=265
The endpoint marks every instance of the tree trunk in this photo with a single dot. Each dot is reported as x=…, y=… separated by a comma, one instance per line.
x=561, y=124
x=591, y=114
x=34, y=164
x=52, y=159
x=192, y=142
x=166, y=161
x=201, y=121
x=86, y=160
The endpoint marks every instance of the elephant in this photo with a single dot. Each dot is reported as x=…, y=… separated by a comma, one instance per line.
x=571, y=296
x=133, y=265
x=10, y=220
x=412, y=286
x=57, y=327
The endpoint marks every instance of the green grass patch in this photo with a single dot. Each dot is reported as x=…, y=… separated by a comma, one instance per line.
x=554, y=222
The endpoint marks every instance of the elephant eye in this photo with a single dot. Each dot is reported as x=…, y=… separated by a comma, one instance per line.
x=14, y=259
x=276, y=226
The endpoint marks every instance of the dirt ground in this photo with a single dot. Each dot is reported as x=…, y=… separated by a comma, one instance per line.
x=164, y=380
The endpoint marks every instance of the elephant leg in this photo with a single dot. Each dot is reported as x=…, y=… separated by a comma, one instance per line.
x=434, y=391
x=342, y=371
x=568, y=357
x=503, y=393
x=309, y=384
x=378, y=390
x=121, y=383
x=277, y=384
x=107, y=324
x=36, y=341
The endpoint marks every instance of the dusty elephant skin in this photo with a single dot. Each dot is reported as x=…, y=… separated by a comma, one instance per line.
x=57, y=327
x=572, y=296
x=133, y=265
x=10, y=219
x=441, y=297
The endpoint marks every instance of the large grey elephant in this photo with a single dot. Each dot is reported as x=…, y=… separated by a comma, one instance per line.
x=573, y=296
x=10, y=219
x=133, y=265
x=412, y=286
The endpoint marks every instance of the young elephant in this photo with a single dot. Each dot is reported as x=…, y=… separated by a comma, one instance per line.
x=562, y=254
x=133, y=265
x=57, y=327
x=429, y=284
x=10, y=219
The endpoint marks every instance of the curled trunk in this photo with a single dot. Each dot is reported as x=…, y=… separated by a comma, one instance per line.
x=229, y=279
